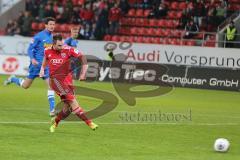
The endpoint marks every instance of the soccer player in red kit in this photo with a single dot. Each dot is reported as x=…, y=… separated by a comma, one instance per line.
x=57, y=58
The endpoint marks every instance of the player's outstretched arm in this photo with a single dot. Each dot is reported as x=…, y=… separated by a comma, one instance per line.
x=44, y=64
x=84, y=68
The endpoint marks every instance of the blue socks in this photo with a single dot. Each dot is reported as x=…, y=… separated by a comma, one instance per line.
x=17, y=81
x=51, y=100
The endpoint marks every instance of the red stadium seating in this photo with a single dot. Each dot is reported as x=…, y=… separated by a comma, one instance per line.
x=139, y=13
x=131, y=12
x=137, y=26
x=174, y=5
x=35, y=26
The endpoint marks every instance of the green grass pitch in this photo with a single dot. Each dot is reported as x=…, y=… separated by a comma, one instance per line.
x=24, y=127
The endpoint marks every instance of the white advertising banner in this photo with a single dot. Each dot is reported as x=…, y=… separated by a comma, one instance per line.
x=151, y=53
x=17, y=65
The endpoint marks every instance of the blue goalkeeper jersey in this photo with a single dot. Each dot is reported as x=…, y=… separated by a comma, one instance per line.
x=40, y=41
x=71, y=42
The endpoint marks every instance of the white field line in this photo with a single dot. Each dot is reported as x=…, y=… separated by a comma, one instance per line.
x=125, y=123
x=133, y=112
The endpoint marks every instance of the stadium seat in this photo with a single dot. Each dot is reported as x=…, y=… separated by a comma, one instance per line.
x=123, y=38
x=41, y=26
x=141, y=22
x=199, y=36
x=146, y=12
x=141, y=31
x=124, y=21
x=64, y=28
x=174, y=5
x=179, y=14
x=169, y=24
x=139, y=39
x=165, y=41
x=121, y=30
x=115, y=38
x=182, y=5
x=139, y=13
x=131, y=2
x=2, y=31
x=161, y=23
x=158, y=32
x=175, y=41
x=131, y=21
x=131, y=12
x=156, y=40
x=167, y=32
x=150, y=31
x=153, y=23
x=107, y=38
x=190, y=43
x=134, y=31
x=57, y=27
x=146, y=40
x=145, y=22
x=176, y=33
x=131, y=39
x=34, y=26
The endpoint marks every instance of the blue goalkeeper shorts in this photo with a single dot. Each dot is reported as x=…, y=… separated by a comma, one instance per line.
x=35, y=70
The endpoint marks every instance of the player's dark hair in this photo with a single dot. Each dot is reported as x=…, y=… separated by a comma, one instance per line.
x=48, y=19
x=57, y=37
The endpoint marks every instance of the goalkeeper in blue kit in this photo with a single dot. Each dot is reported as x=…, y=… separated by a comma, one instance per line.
x=36, y=48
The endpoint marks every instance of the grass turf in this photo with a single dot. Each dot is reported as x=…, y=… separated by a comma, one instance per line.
x=24, y=128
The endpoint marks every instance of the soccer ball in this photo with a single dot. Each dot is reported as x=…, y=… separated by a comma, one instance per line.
x=221, y=145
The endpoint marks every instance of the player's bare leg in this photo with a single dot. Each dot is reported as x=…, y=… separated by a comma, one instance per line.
x=51, y=99
x=64, y=113
x=78, y=111
x=27, y=83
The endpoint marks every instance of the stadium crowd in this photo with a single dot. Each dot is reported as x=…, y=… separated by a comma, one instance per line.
x=100, y=17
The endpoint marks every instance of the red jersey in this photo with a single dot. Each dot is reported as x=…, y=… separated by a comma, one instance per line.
x=59, y=61
x=114, y=14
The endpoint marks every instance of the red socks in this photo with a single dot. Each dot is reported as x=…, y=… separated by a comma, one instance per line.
x=62, y=115
x=80, y=113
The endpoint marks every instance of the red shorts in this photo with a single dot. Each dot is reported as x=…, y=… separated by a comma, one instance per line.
x=63, y=87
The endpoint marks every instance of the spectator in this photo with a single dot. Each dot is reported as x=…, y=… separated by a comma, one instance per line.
x=49, y=12
x=191, y=29
x=20, y=18
x=102, y=23
x=85, y=32
x=159, y=12
x=211, y=20
x=69, y=4
x=32, y=6
x=87, y=15
x=221, y=13
x=12, y=28
x=184, y=19
x=199, y=12
x=41, y=13
x=66, y=16
x=124, y=6
x=231, y=34
x=75, y=16
x=114, y=17
x=26, y=26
